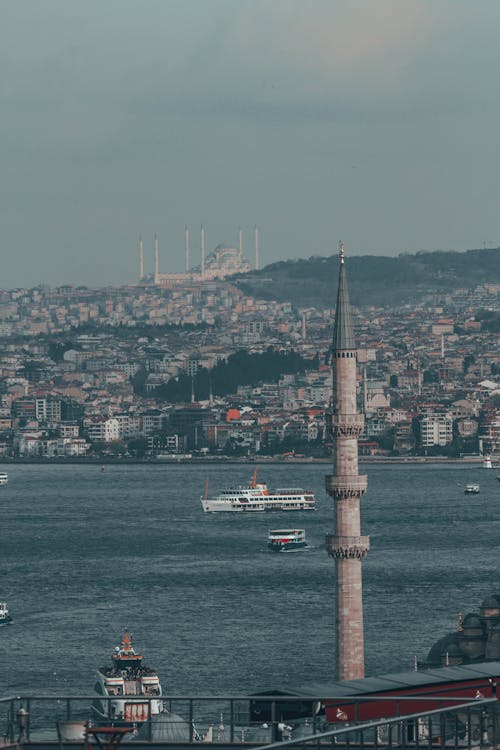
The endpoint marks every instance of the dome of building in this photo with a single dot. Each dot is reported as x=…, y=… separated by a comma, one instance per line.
x=441, y=648
x=491, y=602
x=472, y=622
x=454, y=650
x=223, y=247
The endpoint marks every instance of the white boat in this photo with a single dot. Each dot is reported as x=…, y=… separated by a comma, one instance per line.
x=284, y=540
x=128, y=682
x=5, y=618
x=257, y=497
x=471, y=489
x=4, y=477
x=487, y=463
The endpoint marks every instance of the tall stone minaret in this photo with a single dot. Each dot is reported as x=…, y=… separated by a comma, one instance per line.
x=345, y=486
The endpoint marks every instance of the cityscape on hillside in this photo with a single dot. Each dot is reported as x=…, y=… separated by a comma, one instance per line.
x=190, y=365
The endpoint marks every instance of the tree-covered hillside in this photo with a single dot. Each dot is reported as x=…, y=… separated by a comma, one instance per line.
x=373, y=279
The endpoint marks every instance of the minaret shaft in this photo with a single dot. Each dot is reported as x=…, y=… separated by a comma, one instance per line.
x=350, y=641
x=346, y=487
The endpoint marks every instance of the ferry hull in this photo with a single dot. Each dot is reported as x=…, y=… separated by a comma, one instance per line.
x=216, y=507
x=286, y=546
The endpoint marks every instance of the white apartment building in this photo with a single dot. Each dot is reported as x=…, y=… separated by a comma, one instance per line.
x=103, y=430
x=47, y=410
x=436, y=429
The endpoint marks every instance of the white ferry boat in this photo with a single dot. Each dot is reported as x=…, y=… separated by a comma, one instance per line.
x=257, y=497
x=4, y=477
x=127, y=681
x=284, y=540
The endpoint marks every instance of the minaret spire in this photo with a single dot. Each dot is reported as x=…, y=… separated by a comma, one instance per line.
x=341, y=253
x=345, y=486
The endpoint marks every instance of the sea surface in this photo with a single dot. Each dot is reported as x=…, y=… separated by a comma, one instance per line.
x=85, y=554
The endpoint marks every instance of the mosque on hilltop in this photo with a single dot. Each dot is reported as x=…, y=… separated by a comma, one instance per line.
x=224, y=260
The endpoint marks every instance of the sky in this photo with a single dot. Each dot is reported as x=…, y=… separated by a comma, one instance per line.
x=377, y=123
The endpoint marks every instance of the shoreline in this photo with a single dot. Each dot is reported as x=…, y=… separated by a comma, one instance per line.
x=255, y=460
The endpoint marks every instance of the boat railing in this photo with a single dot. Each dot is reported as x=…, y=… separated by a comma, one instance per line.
x=52, y=722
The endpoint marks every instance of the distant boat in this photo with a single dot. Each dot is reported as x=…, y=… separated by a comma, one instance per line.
x=487, y=463
x=471, y=489
x=283, y=540
x=4, y=477
x=5, y=618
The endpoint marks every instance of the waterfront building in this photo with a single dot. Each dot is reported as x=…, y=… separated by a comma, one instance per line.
x=346, y=487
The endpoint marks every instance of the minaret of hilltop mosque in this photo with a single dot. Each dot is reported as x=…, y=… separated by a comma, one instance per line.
x=346, y=487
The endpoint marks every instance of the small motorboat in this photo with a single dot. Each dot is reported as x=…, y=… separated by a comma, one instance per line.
x=5, y=618
x=487, y=463
x=471, y=489
x=4, y=477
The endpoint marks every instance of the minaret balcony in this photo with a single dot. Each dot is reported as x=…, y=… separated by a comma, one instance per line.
x=346, y=487
x=347, y=547
x=345, y=425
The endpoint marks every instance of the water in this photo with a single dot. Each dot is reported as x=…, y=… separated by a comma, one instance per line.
x=84, y=554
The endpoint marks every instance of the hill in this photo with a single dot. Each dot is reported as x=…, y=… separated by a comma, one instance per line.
x=373, y=280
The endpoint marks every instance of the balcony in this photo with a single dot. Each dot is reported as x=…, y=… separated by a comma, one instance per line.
x=345, y=487
x=345, y=425
x=347, y=547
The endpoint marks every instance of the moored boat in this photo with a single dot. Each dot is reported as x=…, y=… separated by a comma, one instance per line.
x=127, y=682
x=5, y=618
x=284, y=540
x=257, y=497
x=472, y=489
x=4, y=477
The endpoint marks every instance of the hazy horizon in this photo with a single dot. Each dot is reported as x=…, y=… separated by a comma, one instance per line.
x=375, y=123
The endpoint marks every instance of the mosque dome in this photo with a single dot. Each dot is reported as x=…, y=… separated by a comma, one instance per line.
x=472, y=622
x=441, y=648
x=454, y=650
x=491, y=602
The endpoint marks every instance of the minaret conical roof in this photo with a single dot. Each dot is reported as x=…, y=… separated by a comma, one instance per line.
x=343, y=332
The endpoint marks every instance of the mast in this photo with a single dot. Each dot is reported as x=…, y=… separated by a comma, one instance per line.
x=346, y=487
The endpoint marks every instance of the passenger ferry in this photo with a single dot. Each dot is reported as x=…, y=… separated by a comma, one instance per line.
x=4, y=477
x=5, y=618
x=127, y=681
x=283, y=540
x=257, y=497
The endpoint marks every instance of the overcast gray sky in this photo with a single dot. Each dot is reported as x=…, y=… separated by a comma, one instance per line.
x=373, y=121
